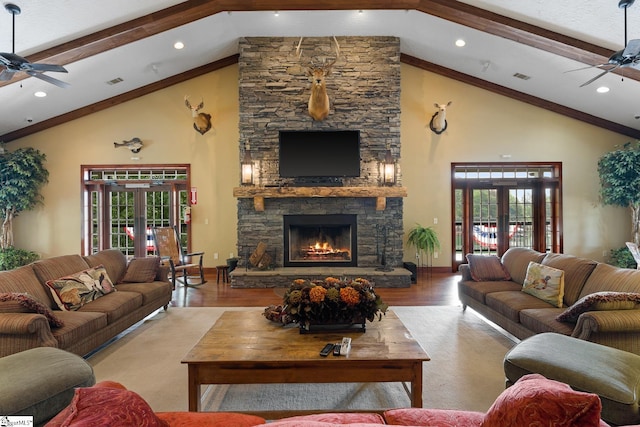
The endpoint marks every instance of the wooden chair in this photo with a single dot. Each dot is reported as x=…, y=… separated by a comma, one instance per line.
x=169, y=249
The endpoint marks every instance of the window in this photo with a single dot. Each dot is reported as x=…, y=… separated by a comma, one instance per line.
x=500, y=205
x=122, y=204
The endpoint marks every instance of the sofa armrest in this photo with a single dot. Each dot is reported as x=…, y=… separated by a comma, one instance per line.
x=592, y=322
x=22, y=331
x=465, y=271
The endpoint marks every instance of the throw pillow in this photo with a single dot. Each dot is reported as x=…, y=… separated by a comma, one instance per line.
x=544, y=282
x=600, y=301
x=536, y=400
x=74, y=291
x=15, y=302
x=141, y=270
x=105, y=406
x=486, y=268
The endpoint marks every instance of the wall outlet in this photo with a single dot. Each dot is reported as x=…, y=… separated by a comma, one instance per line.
x=230, y=254
x=435, y=220
x=215, y=255
x=435, y=255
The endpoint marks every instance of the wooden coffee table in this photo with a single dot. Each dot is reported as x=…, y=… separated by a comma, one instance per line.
x=243, y=347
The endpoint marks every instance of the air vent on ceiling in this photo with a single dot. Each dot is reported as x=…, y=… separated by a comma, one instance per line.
x=521, y=76
x=115, y=81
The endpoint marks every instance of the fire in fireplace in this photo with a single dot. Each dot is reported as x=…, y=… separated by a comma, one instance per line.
x=320, y=240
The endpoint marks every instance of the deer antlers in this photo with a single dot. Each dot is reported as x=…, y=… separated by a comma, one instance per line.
x=201, y=121
x=318, y=100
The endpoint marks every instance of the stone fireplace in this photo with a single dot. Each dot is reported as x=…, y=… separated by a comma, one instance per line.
x=320, y=240
x=364, y=91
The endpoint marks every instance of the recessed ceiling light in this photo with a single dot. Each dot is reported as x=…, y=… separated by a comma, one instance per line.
x=276, y=13
x=40, y=94
x=178, y=45
x=602, y=89
x=460, y=43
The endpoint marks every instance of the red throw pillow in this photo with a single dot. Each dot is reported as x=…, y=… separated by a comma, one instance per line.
x=536, y=400
x=16, y=302
x=106, y=406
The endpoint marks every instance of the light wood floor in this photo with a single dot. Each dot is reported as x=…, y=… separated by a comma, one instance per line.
x=430, y=289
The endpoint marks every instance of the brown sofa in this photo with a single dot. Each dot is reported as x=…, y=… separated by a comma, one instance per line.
x=524, y=315
x=91, y=325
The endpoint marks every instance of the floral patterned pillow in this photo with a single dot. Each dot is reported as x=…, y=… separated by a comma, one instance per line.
x=74, y=291
x=544, y=282
x=600, y=301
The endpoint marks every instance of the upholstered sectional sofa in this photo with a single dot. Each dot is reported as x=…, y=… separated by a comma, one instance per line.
x=41, y=303
x=598, y=302
x=532, y=400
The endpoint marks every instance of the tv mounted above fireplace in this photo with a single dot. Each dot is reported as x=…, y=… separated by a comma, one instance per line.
x=319, y=154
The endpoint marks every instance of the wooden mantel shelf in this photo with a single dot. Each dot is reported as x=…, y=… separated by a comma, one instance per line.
x=260, y=193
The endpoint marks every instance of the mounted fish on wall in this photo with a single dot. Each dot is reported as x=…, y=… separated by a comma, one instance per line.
x=201, y=121
x=135, y=144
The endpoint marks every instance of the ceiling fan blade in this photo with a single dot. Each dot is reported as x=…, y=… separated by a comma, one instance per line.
x=44, y=67
x=588, y=82
x=6, y=75
x=591, y=66
x=48, y=79
x=632, y=48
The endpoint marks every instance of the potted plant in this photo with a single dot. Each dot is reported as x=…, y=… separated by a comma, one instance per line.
x=619, y=172
x=424, y=239
x=22, y=175
x=11, y=258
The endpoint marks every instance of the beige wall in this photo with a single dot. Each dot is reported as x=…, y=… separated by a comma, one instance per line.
x=482, y=126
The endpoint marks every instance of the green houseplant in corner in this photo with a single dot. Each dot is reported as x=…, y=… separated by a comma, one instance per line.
x=424, y=240
x=619, y=172
x=22, y=175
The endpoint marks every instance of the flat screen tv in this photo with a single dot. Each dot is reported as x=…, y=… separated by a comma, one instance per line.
x=319, y=153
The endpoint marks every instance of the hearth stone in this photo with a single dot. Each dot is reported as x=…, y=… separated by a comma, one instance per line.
x=282, y=277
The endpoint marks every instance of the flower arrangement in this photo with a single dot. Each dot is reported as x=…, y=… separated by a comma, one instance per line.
x=332, y=301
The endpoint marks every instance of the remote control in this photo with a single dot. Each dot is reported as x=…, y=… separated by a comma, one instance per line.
x=326, y=350
x=336, y=349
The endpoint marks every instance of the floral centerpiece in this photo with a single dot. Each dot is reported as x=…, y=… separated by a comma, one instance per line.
x=331, y=302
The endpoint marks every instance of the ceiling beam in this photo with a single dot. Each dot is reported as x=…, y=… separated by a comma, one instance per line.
x=520, y=96
x=119, y=99
x=454, y=11
x=192, y=10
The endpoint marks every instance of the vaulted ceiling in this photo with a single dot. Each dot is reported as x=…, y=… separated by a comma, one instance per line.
x=518, y=49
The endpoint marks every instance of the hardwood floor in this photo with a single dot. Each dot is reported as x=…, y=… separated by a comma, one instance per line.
x=434, y=289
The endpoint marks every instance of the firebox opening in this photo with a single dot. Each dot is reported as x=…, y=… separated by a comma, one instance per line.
x=320, y=240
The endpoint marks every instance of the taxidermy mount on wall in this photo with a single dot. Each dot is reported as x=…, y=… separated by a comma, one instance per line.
x=135, y=144
x=318, y=100
x=438, y=123
x=201, y=121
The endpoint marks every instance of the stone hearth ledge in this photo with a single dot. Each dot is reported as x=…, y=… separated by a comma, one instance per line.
x=282, y=277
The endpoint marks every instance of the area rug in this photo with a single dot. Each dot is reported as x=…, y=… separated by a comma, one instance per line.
x=465, y=371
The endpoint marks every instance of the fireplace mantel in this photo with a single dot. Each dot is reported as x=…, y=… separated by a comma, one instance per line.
x=259, y=193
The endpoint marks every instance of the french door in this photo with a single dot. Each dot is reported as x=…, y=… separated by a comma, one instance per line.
x=498, y=206
x=121, y=213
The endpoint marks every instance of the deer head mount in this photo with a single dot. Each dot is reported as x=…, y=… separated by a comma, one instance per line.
x=438, y=123
x=201, y=121
x=318, y=100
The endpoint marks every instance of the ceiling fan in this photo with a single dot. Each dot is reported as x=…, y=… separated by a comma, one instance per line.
x=13, y=63
x=627, y=57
